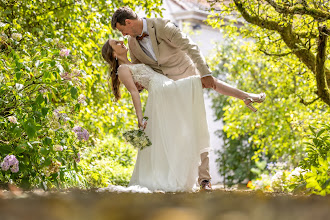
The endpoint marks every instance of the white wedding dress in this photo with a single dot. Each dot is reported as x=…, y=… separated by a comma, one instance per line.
x=177, y=129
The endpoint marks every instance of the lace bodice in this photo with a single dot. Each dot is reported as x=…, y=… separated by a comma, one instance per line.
x=142, y=74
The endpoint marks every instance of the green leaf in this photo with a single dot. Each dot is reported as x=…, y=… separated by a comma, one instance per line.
x=261, y=165
x=52, y=63
x=320, y=132
x=30, y=128
x=312, y=129
x=77, y=107
x=256, y=171
x=74, y=93
x=20, y=149
x=47, y=141
x=48, y=161
x=324, y=185
x=44, y=111
x=44, y=151
x=40, y=99
x=18, y=75
x=5, y=149
x=17, y=131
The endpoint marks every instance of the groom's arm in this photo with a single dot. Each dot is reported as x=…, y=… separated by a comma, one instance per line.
x=178, y=39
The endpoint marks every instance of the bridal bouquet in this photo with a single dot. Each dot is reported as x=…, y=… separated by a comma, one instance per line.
x=137, y=138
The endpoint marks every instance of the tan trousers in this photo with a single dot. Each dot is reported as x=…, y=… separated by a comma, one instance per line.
x=204, y=168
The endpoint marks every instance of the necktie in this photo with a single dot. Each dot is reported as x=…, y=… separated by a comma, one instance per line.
x=143, y=35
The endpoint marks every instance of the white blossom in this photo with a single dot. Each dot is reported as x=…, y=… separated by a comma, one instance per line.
x=16, y=36
x=12, y=119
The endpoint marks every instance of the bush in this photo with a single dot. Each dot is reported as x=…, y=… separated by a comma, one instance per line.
x=51, y=82
x=317, y=162
x=110, y=161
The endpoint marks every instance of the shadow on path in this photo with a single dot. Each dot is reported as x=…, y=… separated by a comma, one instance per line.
x=218, y=205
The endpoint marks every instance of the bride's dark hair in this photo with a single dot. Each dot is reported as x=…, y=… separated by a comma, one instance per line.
x=107, y=53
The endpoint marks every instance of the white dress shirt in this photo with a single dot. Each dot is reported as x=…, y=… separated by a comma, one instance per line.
x=145, y=43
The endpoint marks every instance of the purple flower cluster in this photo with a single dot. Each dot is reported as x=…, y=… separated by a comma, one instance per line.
x=81, y=133
x=71, y=76
x=11, y=162
x=60, y=115
x=66, y=76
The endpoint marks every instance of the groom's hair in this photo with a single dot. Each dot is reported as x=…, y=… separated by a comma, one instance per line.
x=121, y=14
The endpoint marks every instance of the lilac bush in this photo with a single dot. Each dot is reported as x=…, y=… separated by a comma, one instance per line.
x=82, y=134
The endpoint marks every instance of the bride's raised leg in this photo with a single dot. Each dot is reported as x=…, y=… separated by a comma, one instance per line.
x=248, y=98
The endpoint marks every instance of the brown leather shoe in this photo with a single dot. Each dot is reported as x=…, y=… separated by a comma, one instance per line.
x=206, y=185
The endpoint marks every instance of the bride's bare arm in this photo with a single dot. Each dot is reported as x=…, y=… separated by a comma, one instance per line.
x=125, y=76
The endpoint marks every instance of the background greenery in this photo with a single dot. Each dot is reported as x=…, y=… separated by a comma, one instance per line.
x=49, y=92
x=274, y=47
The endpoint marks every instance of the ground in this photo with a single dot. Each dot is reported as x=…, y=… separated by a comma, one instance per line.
x=220, y=204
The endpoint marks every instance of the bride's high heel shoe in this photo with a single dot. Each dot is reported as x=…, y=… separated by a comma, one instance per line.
x=249, y=101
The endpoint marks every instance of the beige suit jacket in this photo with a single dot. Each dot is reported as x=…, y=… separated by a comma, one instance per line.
x=177, y=56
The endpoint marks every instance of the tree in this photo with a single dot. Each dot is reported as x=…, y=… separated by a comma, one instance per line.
x=299, y=27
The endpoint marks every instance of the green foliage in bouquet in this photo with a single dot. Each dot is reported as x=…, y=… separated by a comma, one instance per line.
x=137, y=138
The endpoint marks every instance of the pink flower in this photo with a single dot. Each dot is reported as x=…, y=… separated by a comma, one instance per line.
x=12, y=119
x=58, y=148
x=66, y=76
x=64, y=52
x=76, y=72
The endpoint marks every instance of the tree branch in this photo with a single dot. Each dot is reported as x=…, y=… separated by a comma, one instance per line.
x=322, y=85
x=270, y=25
x=274, y=54
x=308, y=103
x=4, y=142
x=289, y=37
x=301, y=10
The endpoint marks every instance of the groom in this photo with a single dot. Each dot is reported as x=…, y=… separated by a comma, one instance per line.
x=159, y=44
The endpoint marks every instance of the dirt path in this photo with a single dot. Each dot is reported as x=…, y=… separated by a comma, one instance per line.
x=219, y=205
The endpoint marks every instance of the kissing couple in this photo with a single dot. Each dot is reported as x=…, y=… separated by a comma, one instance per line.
x=164, y=61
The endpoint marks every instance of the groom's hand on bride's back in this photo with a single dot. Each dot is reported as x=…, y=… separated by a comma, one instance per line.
x=208, y=82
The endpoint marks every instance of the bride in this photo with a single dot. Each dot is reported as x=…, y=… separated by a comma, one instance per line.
x=176, y=127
